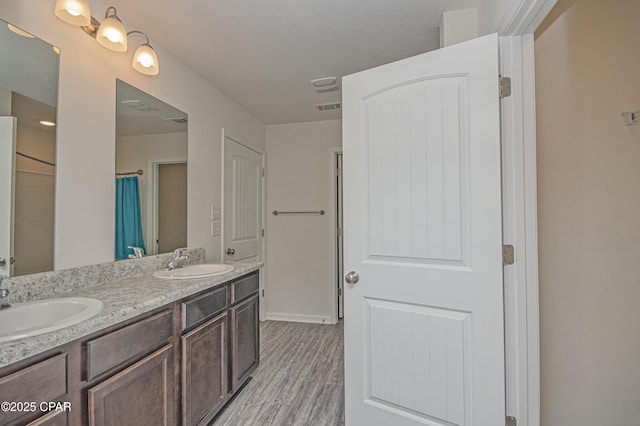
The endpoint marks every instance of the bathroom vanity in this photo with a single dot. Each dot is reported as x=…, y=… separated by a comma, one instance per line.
x=142, y=361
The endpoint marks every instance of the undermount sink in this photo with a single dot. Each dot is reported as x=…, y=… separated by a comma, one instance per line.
x=194, y=271
x=42, y=316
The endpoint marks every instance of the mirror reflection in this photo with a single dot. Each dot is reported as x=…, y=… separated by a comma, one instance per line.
x=28, y=100
x=151, y=174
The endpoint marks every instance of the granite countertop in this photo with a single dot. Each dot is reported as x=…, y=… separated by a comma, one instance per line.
x=123, y=299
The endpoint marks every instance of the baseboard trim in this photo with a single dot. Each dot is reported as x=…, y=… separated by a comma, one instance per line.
x=311, y=319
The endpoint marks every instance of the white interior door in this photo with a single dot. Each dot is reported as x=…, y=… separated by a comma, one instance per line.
x=242, y=201
x=424, y=339
x=8, y=127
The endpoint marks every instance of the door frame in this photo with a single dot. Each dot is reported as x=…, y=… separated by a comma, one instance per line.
x=519, y=192
x=153, y=167
x=333, y=252
x=263, y=246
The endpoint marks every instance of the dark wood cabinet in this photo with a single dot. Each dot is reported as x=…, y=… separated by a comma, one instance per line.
x=54, y=418
x=32, y=386
x=141, y=395
x=245, y=346
x=205, y=371
x=179, y=364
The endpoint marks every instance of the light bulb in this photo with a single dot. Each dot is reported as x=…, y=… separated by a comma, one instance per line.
x=112, y=35
x=74, y=12
x=145, y=60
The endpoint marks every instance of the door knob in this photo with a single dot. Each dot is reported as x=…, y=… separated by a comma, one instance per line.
x=231, y=251
x=352, y=277
x=3, y=261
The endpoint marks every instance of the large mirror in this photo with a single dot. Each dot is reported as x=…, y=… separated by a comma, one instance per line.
x=28, y=101
x=151, y=174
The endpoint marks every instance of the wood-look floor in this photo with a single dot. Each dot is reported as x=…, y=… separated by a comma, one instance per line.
x=299, y=381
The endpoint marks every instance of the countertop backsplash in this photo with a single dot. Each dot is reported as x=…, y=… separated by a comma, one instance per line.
x=67, y=281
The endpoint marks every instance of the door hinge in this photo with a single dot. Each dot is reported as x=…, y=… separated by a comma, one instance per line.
x=508, y=256
x=511, y=421
x=505, y=87
x=339, y=232
x=262, y=172
x=263, y=232
x=339, y=292
x=262, y=292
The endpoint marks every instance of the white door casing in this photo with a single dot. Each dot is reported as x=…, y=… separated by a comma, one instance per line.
x=424, y=337
x=8, y=127
x=242, y=238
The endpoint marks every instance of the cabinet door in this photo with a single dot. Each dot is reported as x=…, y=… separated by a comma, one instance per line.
x=141, y=395
x=54, y=418
x=245, y=337
x=204, y=371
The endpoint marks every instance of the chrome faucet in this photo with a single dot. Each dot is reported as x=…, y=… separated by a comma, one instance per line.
x=138, y=252
x=178, y=256
x=3, y=294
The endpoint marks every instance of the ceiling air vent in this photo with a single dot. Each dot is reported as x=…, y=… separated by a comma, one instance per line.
x=329, y=107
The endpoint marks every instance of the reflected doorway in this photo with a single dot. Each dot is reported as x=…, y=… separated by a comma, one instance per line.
x=172, y=206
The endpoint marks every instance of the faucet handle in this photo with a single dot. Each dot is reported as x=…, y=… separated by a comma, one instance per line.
x=3, y=292
x=138, y=252
x=179, y=251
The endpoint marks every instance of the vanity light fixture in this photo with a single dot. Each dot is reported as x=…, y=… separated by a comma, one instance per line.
x=145, y=60
x=74, y=12
x=47, y=123
x=111, y=33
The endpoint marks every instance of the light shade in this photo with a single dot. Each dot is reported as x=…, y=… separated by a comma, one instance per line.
x=145, y=60
x=112, y=34
x=74, y=12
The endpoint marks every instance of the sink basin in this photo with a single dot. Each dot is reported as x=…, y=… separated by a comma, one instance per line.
x=42, y=316
x=194, y=271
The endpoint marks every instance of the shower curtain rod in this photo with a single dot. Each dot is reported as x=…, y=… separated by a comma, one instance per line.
x=35, y=159
x=137, y=172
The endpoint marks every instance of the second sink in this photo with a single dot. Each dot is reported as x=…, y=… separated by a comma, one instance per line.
x=194, y=271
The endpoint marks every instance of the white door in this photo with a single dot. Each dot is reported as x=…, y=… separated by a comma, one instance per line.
x=242, y=201
x=424, y=332
x=8, y=127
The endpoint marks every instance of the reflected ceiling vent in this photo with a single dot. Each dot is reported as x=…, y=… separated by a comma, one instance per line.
x=139, y=105
x=179, y=120
x=329, y=107
x=327, y=84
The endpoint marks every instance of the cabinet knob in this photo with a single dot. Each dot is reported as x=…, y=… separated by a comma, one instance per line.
x=231, y=251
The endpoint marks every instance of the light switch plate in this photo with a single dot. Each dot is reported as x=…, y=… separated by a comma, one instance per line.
x=215, y=229
x=216, y=213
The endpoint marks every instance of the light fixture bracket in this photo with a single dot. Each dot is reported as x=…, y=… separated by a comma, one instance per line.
x=92, y=29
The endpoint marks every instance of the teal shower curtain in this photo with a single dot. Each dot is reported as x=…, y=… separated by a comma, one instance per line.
x=128, y=224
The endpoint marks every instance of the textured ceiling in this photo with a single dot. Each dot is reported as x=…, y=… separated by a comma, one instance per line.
x=264, y=53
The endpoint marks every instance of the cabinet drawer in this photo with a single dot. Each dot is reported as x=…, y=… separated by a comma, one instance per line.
x=244, y=287
x=206, y=306
x=113, y=349
x=42, y=382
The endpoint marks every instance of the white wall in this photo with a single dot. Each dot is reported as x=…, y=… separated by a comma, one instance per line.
x=587, y=68
x=458, y=25
x=299, y=263
x=491, y=13
x=86, y=133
